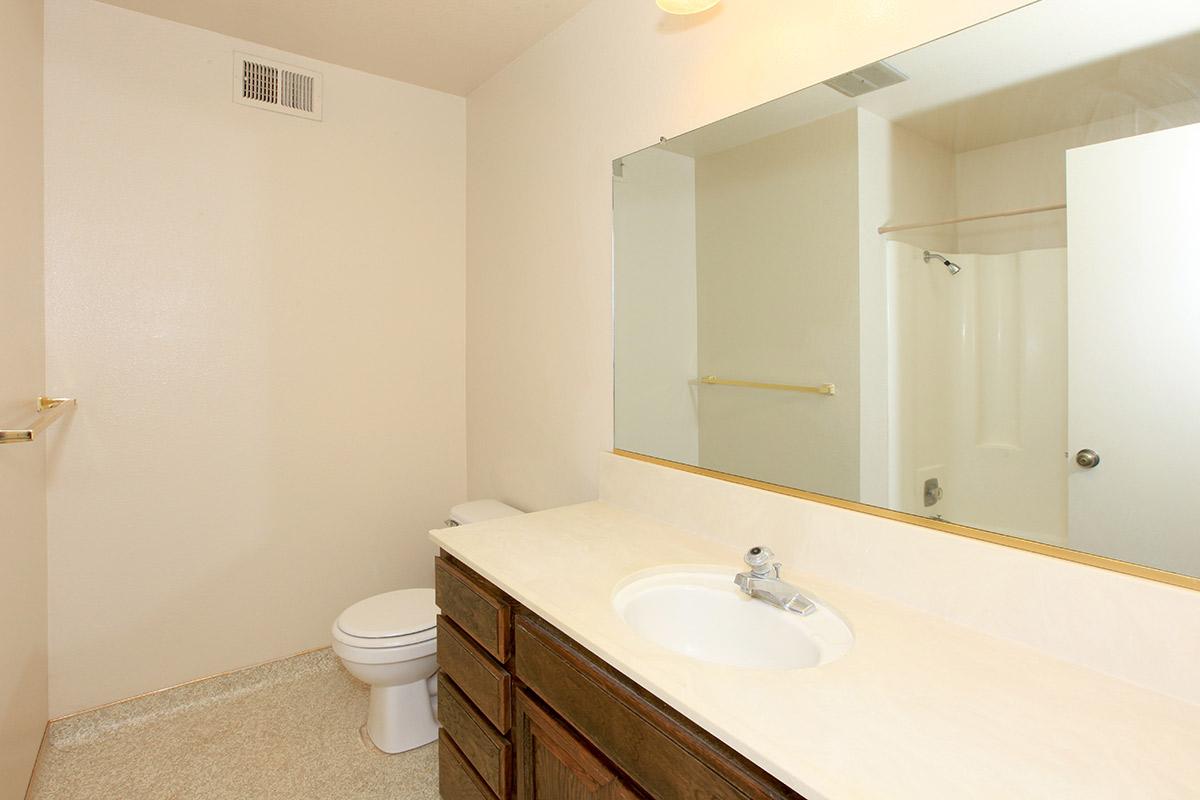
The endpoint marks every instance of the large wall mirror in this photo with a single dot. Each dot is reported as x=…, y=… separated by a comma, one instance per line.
x=962, y=283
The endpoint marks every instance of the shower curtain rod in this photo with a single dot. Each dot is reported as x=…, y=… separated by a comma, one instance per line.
x=995, y=215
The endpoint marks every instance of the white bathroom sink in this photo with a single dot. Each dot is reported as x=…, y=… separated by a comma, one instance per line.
x=697, y=611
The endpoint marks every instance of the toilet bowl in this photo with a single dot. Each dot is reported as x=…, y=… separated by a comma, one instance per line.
x=389, y=641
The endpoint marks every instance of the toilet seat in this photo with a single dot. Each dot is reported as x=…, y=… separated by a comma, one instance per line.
x=384, y=643
x=353, y=650
x=390, y=620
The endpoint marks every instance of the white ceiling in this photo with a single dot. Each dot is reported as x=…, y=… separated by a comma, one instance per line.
x=1047, y=66
x=450, y=45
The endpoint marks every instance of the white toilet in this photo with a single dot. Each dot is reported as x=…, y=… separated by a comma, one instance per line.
x=390, y=642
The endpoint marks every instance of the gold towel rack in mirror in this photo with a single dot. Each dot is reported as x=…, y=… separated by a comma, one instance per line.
x=49, y=409
x=827, y=389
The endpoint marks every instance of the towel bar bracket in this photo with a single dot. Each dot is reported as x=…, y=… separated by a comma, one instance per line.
x=49, y=409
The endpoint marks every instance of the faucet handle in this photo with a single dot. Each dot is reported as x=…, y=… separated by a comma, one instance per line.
x=758, y=558
x=758, y=555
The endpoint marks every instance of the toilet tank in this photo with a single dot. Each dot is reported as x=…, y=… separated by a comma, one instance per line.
x=480, y=510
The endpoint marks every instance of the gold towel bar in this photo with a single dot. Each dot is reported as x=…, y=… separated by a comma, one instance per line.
x=49, y=409
x=713, y=380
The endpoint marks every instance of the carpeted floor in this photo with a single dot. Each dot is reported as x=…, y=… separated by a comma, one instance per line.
x=289, y=729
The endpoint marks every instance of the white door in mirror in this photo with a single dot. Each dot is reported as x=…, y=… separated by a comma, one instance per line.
x=1134, y=334
x=697, y=611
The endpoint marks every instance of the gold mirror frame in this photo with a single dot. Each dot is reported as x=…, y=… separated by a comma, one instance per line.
x=980, y=534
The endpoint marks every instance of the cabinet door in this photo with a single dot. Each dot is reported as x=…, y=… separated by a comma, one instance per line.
x=554, y=764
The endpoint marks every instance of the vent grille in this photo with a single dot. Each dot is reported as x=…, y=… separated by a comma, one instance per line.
x=259, y=82
x=296, y=91
x=867, y=79
x=276, y=87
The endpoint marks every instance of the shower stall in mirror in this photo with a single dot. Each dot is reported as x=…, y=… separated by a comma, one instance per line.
x=955, y=284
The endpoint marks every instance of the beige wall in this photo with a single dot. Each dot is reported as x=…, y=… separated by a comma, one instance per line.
x=262, y=317
x=778, y=302
x=22, y=347
x=541, y=136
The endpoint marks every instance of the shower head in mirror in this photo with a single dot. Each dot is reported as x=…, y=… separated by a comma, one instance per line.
x=953, y=268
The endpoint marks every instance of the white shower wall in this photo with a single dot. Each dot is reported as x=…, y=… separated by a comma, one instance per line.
x=901, y=176
x=979, y=388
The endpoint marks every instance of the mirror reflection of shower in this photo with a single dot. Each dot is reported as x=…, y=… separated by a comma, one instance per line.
x=951, y=267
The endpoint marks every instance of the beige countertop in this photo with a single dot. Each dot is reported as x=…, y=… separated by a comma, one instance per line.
x=919, y=707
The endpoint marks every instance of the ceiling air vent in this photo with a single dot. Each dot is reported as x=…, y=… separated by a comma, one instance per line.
x=276, y=87
x=867, y=79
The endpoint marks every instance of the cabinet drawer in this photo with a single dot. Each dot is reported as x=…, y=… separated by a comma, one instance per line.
x=479, y=608
x=487, y=751
x=456, y=780
x=663, y=752
x=482, y=680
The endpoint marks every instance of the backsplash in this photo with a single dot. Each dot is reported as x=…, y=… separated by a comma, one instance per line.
x=1066, y=610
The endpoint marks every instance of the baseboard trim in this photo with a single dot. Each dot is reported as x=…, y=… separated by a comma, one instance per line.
x=190, y=682
x=37, y=760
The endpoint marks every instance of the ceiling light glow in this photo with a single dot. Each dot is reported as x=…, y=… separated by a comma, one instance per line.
x=686, y=6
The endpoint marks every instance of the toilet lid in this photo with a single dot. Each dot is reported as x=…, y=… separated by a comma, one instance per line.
x=390, y=615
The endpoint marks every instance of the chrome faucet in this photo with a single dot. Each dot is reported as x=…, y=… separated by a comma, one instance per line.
x=762, y=582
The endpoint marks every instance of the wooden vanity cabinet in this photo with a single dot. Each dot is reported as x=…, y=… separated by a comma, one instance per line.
x=477, y=607
x=551, y=721
x=474, y=684
x=553, y=763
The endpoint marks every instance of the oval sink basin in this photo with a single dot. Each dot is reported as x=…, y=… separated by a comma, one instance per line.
x=700, y=613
